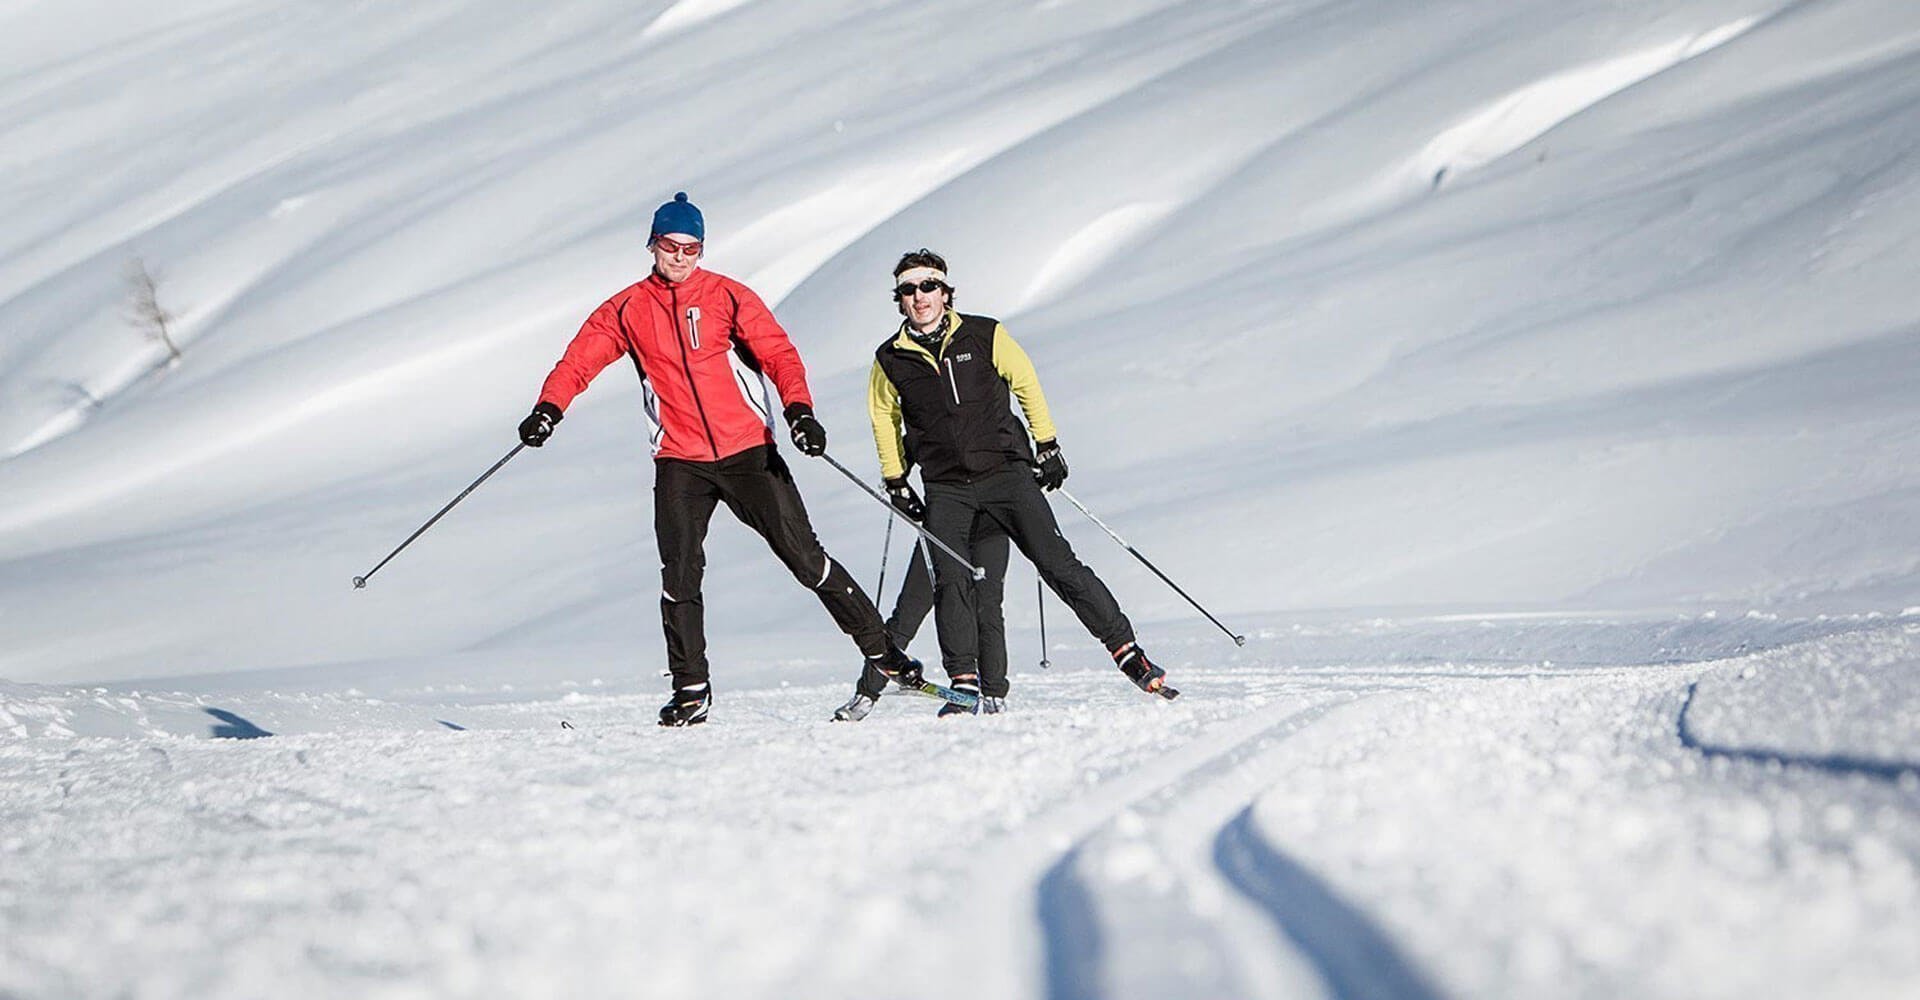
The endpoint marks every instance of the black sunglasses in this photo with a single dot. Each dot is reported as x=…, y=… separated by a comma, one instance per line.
x=907, y=288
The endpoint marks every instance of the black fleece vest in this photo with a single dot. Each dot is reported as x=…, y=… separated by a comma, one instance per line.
x=958, y=413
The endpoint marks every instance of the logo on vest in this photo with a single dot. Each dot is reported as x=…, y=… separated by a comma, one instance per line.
x=963, y=357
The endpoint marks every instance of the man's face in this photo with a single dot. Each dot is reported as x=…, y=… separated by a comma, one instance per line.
x=924, y=308
x=675, y=255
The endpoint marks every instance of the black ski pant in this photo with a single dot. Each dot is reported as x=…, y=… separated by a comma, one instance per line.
x=990, y=550
x=758, y=488
x=1012, y=501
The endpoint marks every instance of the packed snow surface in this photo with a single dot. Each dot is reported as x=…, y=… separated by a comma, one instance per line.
x=1532, y=382
x=1323, y=825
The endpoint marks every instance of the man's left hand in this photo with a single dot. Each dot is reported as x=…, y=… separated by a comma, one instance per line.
x=1053, y=467
x=808, y=435
x=905, y=500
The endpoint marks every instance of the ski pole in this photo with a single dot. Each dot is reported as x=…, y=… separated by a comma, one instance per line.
x=886, y=549
x=1040, y=598
x=360, y=582
x=1238, y=640
x=978, y=573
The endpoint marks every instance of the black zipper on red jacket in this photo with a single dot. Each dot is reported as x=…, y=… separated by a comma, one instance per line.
x=687, y=367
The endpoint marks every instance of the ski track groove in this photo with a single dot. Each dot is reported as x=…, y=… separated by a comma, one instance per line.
x=1074, y=944
x=1353, y=955
x=1841, y=764
x=1319, y=923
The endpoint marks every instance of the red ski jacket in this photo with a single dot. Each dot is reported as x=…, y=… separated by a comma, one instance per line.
x=705, y=348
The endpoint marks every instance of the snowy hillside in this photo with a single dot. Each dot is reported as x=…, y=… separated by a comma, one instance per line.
x=1533, y=381
x=1352, y=305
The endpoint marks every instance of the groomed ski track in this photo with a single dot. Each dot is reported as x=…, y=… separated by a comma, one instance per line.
x=1367, y=829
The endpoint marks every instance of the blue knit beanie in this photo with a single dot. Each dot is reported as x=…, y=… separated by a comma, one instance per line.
x=678, y=216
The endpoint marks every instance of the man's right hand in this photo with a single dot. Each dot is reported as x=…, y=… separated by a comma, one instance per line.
x=808, y=435
x=905, y=500
x=538, y=427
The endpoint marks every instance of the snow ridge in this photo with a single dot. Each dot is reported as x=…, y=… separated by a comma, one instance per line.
x=1536, y=109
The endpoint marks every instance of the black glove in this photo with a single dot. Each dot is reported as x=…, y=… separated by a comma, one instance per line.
x=808, y=435
x=905, y=500
x=1053, y=468
x=538, y=427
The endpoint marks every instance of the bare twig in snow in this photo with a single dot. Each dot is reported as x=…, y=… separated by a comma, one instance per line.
x=146, y=312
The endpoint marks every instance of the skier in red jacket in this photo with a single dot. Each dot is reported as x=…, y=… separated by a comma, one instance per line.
x=705, y=347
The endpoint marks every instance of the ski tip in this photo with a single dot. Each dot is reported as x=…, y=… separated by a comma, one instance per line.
x=1168, y=693
x=564, y=724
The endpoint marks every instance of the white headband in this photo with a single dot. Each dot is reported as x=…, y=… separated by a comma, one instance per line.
x=918, y=274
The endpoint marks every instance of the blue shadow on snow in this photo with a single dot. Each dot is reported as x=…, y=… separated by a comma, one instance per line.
x=1074, y=945
x=1355, y=958
x=233, y=727
x=1840, y=763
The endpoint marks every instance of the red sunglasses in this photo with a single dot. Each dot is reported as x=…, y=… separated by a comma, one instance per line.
x=691, y=248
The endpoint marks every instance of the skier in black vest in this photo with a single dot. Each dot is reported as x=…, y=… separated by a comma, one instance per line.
x=950, y=379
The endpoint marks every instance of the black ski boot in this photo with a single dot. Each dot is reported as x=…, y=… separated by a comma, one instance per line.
x=1132, y=661
x=897, y=666
x=965, y=684
x=688, y=707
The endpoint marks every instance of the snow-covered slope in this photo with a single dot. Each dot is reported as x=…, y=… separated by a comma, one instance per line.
x=1355, y=304
x=1533, y=381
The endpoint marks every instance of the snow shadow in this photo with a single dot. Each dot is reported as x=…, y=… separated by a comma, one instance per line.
x=1354, y=957
x=233, y=727
x=1074, y=945
x=1839, y=763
